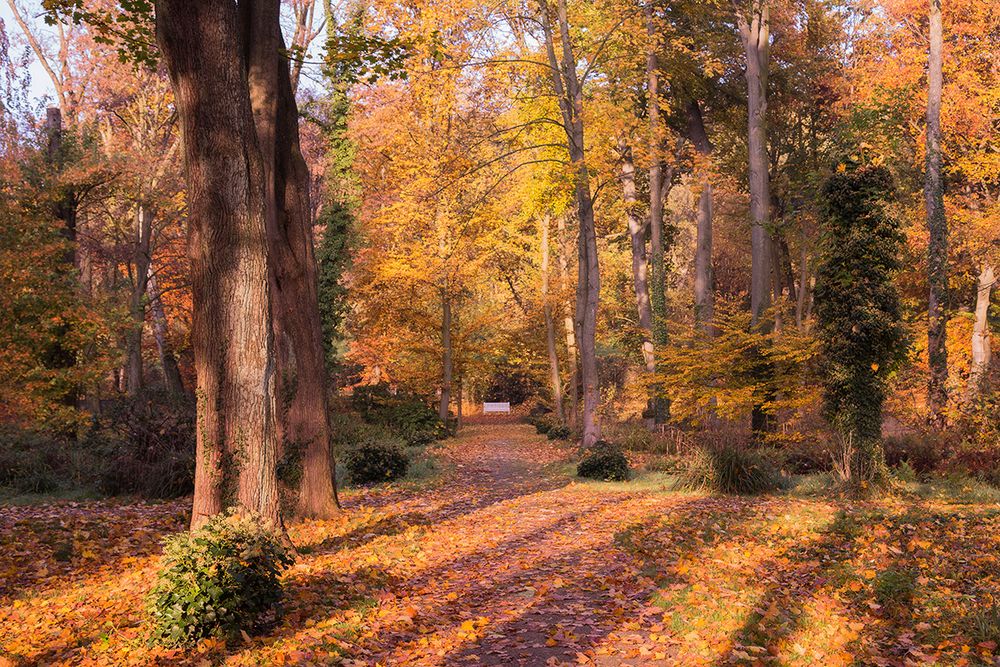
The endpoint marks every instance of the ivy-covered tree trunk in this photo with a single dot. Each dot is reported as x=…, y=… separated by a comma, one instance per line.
x=236, y=451
x=858, y=315
x=937, y=226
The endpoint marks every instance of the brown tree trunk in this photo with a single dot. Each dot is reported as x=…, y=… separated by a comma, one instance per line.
x=569, y=323
x=569, y=93
x=982, y=352
x=658, y=190
x=555, y=378
x=755, y=33
x=446, y=365
x=301, y=379
x=137, y=303
x=937, y=226
x=704, y=294
x=231, y=336
x=168, y=361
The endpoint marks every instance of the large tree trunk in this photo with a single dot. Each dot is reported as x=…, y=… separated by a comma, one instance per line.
x=569, y=322
x=301, y=379
x=168, y=361
x=569, y=93
x=982, y=353
x=446, y=357
x=937, y=226
x=137, y=303
x=555, y=378
x=236, y=455
x=704, y=293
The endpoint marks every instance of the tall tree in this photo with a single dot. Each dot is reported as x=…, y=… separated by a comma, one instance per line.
x=569, y=93
x=555, y=377
x=937, y=227
x=237, y=447
x=303, y=414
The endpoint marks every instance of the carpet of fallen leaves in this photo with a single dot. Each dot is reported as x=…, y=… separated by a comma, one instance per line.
x=504, y=560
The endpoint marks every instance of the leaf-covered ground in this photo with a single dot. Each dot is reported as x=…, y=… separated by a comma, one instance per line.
x=504, y=560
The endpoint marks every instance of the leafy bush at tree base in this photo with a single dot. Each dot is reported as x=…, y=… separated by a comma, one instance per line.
x=375, y=461
x=604, y=461
x=729, y=469
x=558, y=432
x=218, y=581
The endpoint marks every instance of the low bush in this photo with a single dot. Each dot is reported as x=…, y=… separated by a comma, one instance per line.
x=558, y=432
x=542, y=424
x=729, y=469
x=404, y=413
x=806, y=458
x=31, y=461
x=218, y=581
x=374, y=461
x=923, y=452
x=604, y=461
x=149, y=444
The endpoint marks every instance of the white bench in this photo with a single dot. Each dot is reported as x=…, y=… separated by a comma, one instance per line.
x=489, y=408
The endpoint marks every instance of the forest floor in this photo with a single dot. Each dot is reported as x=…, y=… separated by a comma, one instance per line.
x=504, y=559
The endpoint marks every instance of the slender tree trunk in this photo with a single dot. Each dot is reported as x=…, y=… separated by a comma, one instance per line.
x=231, y=335
x=640, y=269
x=657, y=195
x=937, y=226
x=137, y=304
x=446, y=366
x=301, y=379
x=804, y=292
x=755, y=35
x=704, y=292
x=555, y=378
x=569, y=323
x=982, y=352
x=569, y=93
x=168, y=362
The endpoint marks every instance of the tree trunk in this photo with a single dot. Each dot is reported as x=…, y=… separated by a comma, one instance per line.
x=754, y=32
x=555, y=378
x=445, y=357
x=303, y=421
x=569, y=93
x=704, y=293
x=569, y=323
x=657, y=195
x=937, y=226
x=137, y=304
x=804, y=293
x=236, y=455
x=168, y=362
x=982, y=353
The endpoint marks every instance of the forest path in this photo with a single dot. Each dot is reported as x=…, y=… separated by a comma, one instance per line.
x=508, y=562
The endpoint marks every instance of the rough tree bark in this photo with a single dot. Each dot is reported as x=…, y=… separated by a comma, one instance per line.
x=303, y=415
x=569, y=93
x=704, y=293
x=555, y=377
x=236, y=454
x=982, y=352
x=937, y=226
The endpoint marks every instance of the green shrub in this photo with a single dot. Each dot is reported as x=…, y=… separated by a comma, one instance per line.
x=218, y=581
x=375, y=461
x=728, y=469
x=923, y=452
x=31, y=461
x=543, y=424
x=558, y=432
x=894, y=589
x=405, y=414
x=604, y=461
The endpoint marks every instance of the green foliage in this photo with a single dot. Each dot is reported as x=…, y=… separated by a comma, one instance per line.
x=404, y=414
x=604, y=461
x=375, y=461
x=542, y=423
x=354, y=55
x=30, y=461
x=729, y=469
x=858, y=312
x=894, y=588
x=558, y=432
x=218, y=581
x=332, y=260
